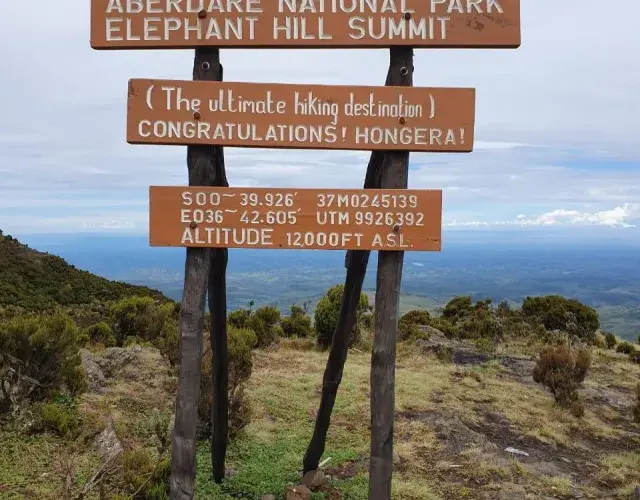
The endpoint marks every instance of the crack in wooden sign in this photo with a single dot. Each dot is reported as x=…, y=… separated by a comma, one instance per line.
x=301, y=116
x=329, y=219
x=139, y=24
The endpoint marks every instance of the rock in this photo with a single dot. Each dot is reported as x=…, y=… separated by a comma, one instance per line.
x=95, y=377
x=314, y=479
x=565, y=460
x=297, y=493
x=516, y=451
x=396, y=458
x=268, y=497
x=107, y=442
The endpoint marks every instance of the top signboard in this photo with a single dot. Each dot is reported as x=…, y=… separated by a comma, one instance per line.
x=175, y=24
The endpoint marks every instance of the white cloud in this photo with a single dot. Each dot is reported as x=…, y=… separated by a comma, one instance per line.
x=617, y=217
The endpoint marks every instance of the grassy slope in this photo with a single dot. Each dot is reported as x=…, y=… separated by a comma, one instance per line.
x=453, y=423
x=38, y=281
x=452, y=426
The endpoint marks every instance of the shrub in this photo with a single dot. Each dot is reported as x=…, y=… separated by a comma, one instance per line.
x=457, y=308
x=636, y=409
x=100, y=333
x=327, y=314
x=562, y=369
x=297, y=324
x=559, y=313
x=611, y=340
x=601, y=341
x=264, y=323
x=240, y=343
x=239, y=318
x=38, y=355
x=58, y=418
x=168, y=341
x=626, y=348
x=444, y=353
x=140, y=317
x=410, y=323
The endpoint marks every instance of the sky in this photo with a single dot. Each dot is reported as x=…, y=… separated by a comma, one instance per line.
x=557, y=123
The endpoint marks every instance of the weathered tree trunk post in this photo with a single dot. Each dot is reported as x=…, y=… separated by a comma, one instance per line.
x=356, y=264
x=387, y=302
x=203, y=171
x=218, y=339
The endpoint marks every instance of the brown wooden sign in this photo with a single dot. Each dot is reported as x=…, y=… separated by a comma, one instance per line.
x=140, y=24
x=328, y=219
x=300, y=116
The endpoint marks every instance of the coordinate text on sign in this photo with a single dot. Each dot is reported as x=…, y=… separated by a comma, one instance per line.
x=300, y=116
x=329, y=219
x=138, y=24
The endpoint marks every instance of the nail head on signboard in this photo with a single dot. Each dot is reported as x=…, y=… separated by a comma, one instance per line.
x=193, y=224
x=206, y=66
x=396, y=228
x=402, y=120
x=197, y=115
x=202, y=14
x=407, y=15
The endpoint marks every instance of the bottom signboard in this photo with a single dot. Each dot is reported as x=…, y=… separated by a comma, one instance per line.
x=327, y=219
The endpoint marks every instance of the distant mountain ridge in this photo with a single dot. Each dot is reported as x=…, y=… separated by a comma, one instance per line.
x=38, y=281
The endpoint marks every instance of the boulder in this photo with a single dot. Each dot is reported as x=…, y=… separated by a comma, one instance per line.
x=314, y=480
x=297, y=493
x=95, y=377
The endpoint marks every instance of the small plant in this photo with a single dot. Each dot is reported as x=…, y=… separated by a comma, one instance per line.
x=611, y=340
x=626, y=348
x=601, y=341
x=101, y=333
x=297, y=324
x=264, y=322
x=444, y=353
x=562, y=368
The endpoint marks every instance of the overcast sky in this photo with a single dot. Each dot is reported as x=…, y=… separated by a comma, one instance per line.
x=557, y=122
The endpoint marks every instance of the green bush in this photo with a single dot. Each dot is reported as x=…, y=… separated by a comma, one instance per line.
x=327, y=314
x=559, y=313
x=140, y=317
x=61, y=418
x=100, y=333
x=457, y=308
x=239, y=318
x=168, y=342
x=38, y=355
x=611, y=340
x=626, y=348
x=264, y=322
x=410, y=323
x=239, y=344
x=562, y=369
x=297, y=324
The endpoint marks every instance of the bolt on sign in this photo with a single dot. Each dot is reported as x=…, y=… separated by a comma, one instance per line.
x=300, y=116
x=328, y=219
x=139, y=24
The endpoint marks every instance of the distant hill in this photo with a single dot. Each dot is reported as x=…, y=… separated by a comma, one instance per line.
x=38, y=281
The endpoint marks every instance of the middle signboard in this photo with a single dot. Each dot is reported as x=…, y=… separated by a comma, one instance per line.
x=275, y=115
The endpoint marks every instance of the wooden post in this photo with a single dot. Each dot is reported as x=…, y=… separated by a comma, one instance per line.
x=203, y=171
x=220, y=361
x=356, y=263
x=387, y=302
